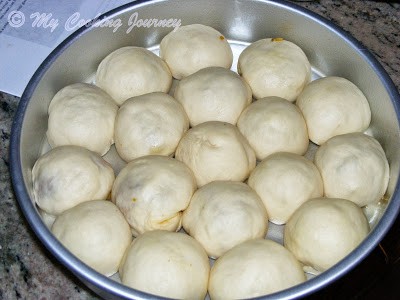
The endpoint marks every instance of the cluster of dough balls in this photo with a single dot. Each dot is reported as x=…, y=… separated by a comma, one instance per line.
x=219, y=156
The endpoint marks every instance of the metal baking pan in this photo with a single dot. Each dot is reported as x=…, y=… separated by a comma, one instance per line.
x=330, y=50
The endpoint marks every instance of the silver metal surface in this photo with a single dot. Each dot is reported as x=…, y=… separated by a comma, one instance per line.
x=329, y=49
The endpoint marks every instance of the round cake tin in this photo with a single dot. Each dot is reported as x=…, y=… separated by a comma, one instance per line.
x=330, y=50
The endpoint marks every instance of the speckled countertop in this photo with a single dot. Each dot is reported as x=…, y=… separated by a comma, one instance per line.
x=29, y=271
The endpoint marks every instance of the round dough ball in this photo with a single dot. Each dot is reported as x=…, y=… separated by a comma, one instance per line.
x=96, y=232
x=168, y=264
x=216, y=151
x=254, y=268
x=353, y=166
x=149, y=124
x=284, y=181
x=223, y=214
x=194, y=47
x=324, y=230
x=152, y=192
x=47, y=218
x=68, y=175
x=133, y=71
x=275, y=67
x=333, y=106
x=83, y=115
x=273, y=124
x=213, y=94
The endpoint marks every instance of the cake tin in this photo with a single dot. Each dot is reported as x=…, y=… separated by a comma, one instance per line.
x=330, y=50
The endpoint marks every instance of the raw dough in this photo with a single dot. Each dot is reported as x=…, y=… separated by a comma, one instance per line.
x=152, y=192
x=96, y=232
x=273, y=124
x=254, y=268
x=222, y=214
x=68, y=175
x=324, y=230
x=82, y=114
x=284, y=181
x=213, y=94
x=275, y=67
x=149, y=124
x=333, y=106
x=216, y=151
x=133, y=71
x=194, y=47
x=353, y=166
x=168, y=264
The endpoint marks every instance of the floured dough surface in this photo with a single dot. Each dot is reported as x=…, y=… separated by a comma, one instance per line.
x=213, y=94
x=324, y=230
x=354, y=167
x=272, y=125
x=284, y=181
x=132, y=71
x=194, y=47
x=168, y=264
x=149, y=124
x=254, y=268
x=216, y=151
x=275, y=67
x=152, y=191
x=68, y=175
x=96, y=232
x=223, y=214
x=333, y=106
x=83, y=115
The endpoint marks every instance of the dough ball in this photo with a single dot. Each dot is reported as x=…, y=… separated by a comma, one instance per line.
x=223, y=214
x=152, y=192
x=254, y=268
x=47, y=218
x=96, y=232
x=324, y=230
x=194, y=47
x=68, y=175
x=216, y=151
x=275, y=67
x=149, y=124
x=168, y=264
x=83, y=115
x=213, y=94
x=354, y=167
x=284, y=181
x=333, y=106
x=133, y=71
x=273, y=124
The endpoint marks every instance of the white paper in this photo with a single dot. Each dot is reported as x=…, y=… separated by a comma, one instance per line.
x=31, y=29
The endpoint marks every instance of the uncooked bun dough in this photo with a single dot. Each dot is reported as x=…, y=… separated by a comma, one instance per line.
x=149, y=124
x=216, y=151
x=133, y=71
x=284, y=181
x=213, y=94
x=168, y=264
x=333, y=106
x=273, y=124
x=275, y=67
x=194, y=47
x=254, y=268
x=152, y=192
x=223, y=214
x=354, y=167
x=68, y=175
x=96, y=232
x=82, y=114
x=324, y=230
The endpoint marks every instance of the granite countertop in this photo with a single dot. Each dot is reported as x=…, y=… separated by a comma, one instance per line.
x=29, y=271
